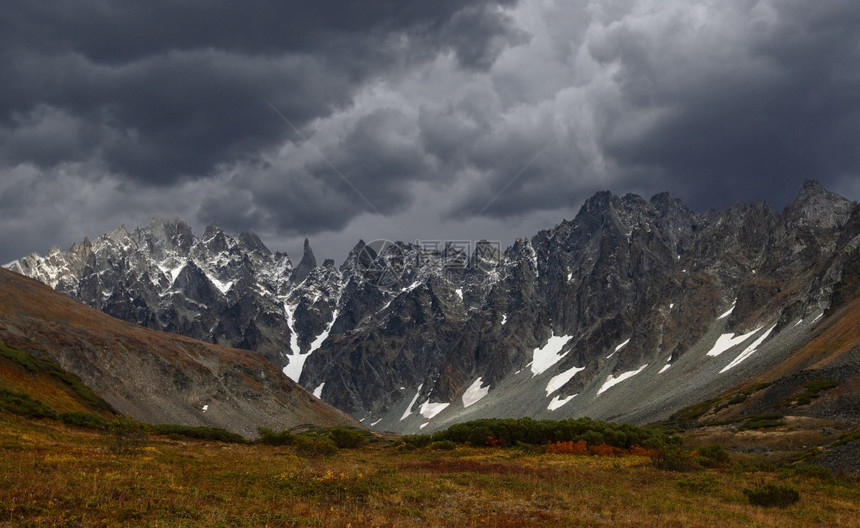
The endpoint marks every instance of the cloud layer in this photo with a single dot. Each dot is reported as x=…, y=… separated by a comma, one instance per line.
x=342, y=121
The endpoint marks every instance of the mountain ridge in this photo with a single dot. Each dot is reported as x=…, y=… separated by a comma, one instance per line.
x=400, y=333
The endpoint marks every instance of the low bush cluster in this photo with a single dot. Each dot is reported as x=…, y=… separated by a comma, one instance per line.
x=81, y=419
x=762, y=421
x=347, y=437
x=698, y=483
x=315, y=443
x=711, y=456
x=213, y=434
x=773, y=495
x=508, y=432
x=24, y=405
x=124, y=436
x=676, y=458
x=811, y=390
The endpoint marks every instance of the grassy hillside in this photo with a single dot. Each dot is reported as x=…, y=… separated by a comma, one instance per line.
x=155, y=377
x=54, y=475
x=45, y=381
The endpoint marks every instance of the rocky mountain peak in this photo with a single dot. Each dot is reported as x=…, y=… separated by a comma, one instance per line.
x=251, y=242
x=308, y=263
x=818, y=208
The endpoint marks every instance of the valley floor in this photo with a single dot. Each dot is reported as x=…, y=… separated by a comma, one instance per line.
x=54, y=475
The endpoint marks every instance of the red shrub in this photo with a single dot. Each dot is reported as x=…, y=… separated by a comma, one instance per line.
x=494, y=442
x=567, y=448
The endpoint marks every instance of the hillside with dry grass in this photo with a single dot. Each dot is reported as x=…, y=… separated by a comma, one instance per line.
x=153, y=376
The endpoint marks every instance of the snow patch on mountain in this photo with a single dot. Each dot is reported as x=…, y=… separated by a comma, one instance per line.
x=548, y=355
x=727, y=341
x=320, y=339
x=728, y=312
x=611, y=381
x=748, y=351
x=429, y=410
x=558, y=381
x=475, y=393
x=408, y=410
x=619, y=347
x=223, y=287
x=557, y=402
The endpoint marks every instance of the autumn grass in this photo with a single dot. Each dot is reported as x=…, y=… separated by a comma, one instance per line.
x=55, y=475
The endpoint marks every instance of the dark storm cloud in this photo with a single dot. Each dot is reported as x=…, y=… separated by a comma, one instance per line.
x=737, y=101
x=788, y=110
x=333, y=118
x=174, y=89
x=367, y=171
x=119, y=32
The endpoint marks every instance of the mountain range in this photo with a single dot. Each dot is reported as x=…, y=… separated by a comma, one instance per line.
x=630, y=311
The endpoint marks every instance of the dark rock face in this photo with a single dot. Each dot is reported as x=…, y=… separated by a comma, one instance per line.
x=306, y=265
x=399, y=329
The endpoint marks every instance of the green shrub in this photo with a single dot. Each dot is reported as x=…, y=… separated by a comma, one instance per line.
x=761, y=421
x=314, y=445
x=698, y=483
x=214, y=434
x=124, y=436
x=82, y=419
x=513, y=432
x=275, y=438
x=346, y=437
x=808, y=470
x=713, y=456
x=812, y=389
x=443, y=445
x=24, y=405
x=853, y=436
x=674, y=458
x=773, y=495
x=414, y=441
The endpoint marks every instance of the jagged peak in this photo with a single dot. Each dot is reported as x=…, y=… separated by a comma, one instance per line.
x=665, y=200
x=598, y=203
x=117, y=234
x=212, y=230
x=175, y=230
x=632, y=199
x=161, y=222
x=251, y=241
x=308, y=254
x=816, y=206
x=308, y=263
x=813, y=190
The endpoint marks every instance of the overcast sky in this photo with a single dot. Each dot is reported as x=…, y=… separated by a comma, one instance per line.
x=450, y=120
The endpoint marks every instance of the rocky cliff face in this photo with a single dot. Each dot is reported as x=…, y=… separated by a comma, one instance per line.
x=631, y=309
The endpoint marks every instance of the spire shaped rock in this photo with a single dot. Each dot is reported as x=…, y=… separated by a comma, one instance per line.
x=307, y=264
